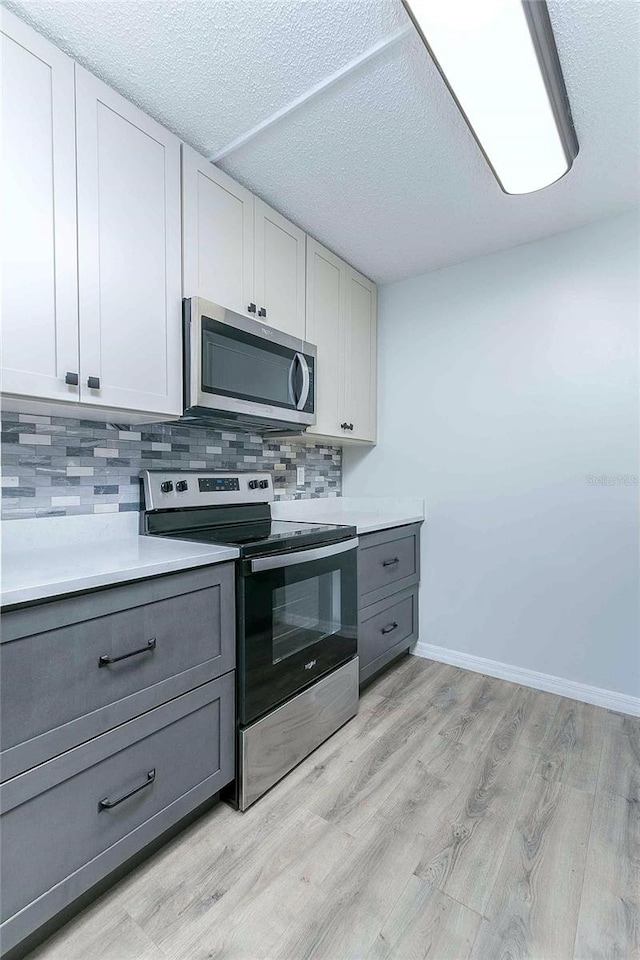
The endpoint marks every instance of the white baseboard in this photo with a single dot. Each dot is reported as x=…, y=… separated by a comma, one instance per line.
x=620, y=702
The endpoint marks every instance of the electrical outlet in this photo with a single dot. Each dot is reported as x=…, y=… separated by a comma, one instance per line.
x=300, y=476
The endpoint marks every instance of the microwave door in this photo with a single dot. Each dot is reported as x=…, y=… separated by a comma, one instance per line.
x=241, y=366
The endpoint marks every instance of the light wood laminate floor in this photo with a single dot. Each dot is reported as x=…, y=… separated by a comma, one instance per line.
x=457, y=817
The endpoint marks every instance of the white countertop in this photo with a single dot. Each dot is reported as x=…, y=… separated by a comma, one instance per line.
x=50, y=557
x=365, y=513
x=53, y=556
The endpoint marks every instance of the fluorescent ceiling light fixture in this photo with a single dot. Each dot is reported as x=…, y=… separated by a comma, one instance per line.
x=500, y=63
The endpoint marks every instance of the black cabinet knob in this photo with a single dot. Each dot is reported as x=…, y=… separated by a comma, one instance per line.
x=262, y=312
x=72, y=379
x=252, y=308
x=344, y=426
x=93, y=383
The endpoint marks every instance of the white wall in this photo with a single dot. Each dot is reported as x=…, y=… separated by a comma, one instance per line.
x=507, y=382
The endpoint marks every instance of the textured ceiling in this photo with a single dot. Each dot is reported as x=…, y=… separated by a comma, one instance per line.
x=380, y=167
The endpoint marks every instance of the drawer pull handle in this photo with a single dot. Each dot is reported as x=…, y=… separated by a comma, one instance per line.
x=392, y=626
x=107, y=804
x=390, y=563
x=149, y=648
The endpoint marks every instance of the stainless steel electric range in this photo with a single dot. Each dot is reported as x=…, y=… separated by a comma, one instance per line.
x=296, y=614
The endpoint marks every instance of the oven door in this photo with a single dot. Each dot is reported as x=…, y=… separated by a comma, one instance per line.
x=243, y=367
x=297, y=621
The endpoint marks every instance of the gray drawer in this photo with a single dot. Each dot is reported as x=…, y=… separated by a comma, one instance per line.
x=54, y=692
x=388, y=561
x=54, y=829
x=391, y=624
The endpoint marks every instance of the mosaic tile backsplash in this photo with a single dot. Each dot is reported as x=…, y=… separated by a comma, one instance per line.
x=52, y=466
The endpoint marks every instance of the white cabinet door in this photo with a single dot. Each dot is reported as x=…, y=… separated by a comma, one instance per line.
x=279, y=271
x=128, y=170
x=361, y=347
x=217, y=235
x=39, y=268
x=326, y=302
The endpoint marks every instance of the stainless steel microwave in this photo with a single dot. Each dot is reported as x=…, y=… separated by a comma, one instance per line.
x=238, y=371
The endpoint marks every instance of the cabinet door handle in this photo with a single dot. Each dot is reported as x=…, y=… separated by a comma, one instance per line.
x=262, y=312
x=344, y=426
x=390, y=563
x=72, y=379
x=252, y=308
x=107, y=804
x=105, y=661
x=390, y=628
x=93, y=383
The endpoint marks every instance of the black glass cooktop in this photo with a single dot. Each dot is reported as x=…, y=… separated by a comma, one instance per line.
x=248, y=527
x=266, y=536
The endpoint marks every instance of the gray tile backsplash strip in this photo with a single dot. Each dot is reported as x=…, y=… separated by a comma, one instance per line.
x=52, y=466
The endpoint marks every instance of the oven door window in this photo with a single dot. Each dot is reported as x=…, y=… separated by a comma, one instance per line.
x=298, y=623
x=305, y=613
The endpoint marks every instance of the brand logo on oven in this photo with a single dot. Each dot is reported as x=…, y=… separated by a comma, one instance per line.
x=310, y=665
x=267, y=332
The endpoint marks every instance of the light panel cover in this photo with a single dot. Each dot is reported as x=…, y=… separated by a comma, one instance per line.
x=499, y=60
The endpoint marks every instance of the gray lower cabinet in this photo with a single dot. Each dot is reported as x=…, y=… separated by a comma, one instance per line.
x=72, y=668
x=69, y=822
x=132, y=744
x=388, y=578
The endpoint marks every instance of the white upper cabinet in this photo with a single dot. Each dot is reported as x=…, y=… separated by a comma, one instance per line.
x=361, y=348
x=326, y=299
x=218, y=235
x=91, y=305
x=342, y=322
x=128, y=171
x=237, y=251
x=279, y=270
x=39, y=267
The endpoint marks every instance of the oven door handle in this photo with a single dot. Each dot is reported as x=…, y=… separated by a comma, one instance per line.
x=302, y=556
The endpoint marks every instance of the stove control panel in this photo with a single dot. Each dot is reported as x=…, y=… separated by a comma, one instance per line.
x=167, y=489
x=219, y=484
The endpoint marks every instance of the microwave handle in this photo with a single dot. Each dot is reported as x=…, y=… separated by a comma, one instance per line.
x=302, y=556
x=306, y=381
x=299, y=402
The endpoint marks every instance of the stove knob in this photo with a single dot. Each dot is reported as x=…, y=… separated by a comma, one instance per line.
x=263, y=484
x=253, y=484
x=181, y=486
x=166, y=486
